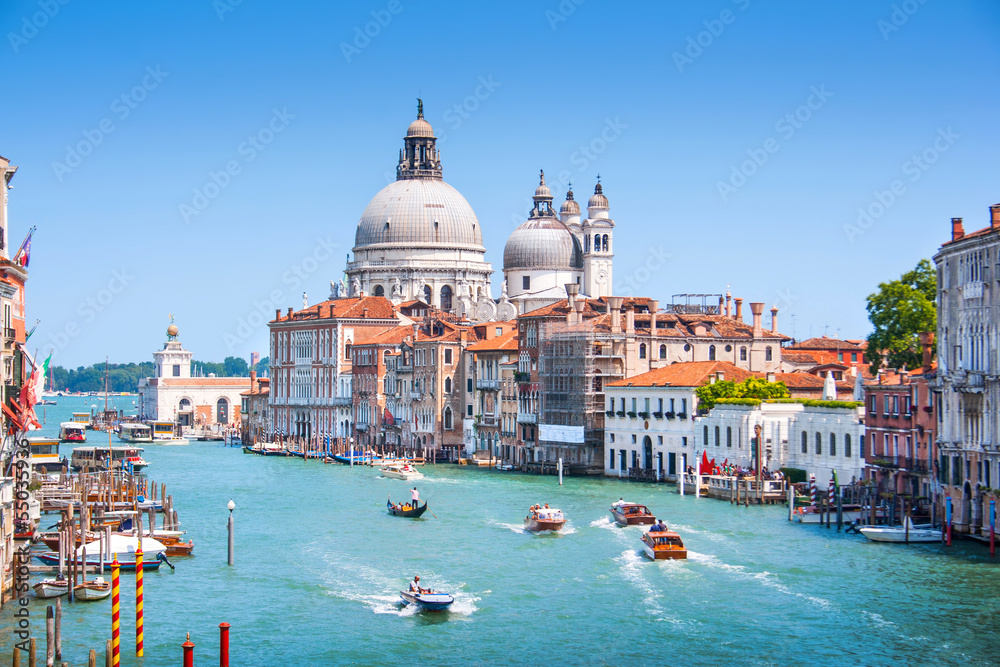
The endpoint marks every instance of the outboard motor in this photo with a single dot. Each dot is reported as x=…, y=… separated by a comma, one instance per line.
x=163, y=558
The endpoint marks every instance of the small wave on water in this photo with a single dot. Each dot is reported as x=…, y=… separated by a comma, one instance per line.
x=764, y=577
x=604, y=522
x=713, y=536
x=519, y=528
x=631, y=566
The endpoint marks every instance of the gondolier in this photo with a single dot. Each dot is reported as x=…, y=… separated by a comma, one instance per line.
x=415, y=497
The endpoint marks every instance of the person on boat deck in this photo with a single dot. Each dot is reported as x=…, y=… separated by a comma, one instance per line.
x=415, y=497
x=621, y=501
x=415, y=585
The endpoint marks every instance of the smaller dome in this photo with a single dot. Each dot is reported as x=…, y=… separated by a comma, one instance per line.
x=598, y=200
x=542, y=243
x=420, y=128
x=542, y=190
x=569, y=207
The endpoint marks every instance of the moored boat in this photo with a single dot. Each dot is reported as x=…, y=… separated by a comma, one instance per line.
x=400, y=471
x=406, y=509
x=540, y=519
x=632, y=514
x=44, y=454
x=51, y=588
x=135, y=432
x=431, y=601
x=908, y=532
x=95, y=589
x=663, y=545
x=105, y=457
x=812, y=514
x=167, y=433
x=355, y=457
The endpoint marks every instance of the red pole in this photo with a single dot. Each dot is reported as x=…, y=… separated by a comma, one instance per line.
x=223, y=645
x=188, y=651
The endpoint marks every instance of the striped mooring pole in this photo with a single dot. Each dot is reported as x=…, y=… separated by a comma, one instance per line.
x=138, y=599
x=812, y=490
x=832, y=493
x=115, y=639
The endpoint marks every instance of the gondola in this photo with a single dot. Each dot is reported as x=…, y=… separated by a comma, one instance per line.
x=411, y=513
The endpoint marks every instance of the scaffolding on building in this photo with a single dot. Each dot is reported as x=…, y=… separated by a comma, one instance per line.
x=687, y=304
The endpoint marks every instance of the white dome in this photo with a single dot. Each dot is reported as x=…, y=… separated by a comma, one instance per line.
x=542, y=243
x=420, y=128
x=425, y=212
x=598, y=200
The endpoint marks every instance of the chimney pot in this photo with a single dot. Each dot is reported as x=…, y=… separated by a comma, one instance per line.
x=615, y=308
x=654, y=306
x=774, y=319
x=416, y=329
x=729, y=298
x=957, y=231
x=757, y=309
x=277, y=313
x=995, y=216
x=630, y=320
x=290, y=312
x=739, y=309
x=927, y=347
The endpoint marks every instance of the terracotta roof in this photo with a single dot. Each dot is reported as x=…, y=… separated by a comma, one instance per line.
x=593, y=308
x=971, y=235
x=686, y=374
x=796, y=357
x=393, y=336
x=825, y=343
x=507, y=341
x=353, y=307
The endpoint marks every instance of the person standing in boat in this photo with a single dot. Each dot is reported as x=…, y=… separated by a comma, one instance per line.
x=415, y=498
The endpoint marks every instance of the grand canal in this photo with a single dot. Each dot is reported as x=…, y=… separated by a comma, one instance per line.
x=319, y=564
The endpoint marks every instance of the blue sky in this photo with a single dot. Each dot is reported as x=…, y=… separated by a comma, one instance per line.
x=736, y=142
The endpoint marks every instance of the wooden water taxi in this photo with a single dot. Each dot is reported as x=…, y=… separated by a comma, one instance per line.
x=400, y=471
x=540, y=519
x=73, y=432
x=51, y=588
x=95, y=589
x=663, y=545
x=406, y=509
x=103, y=458
x=632, y=514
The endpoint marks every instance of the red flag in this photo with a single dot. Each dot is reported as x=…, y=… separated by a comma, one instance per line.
x=388, y=419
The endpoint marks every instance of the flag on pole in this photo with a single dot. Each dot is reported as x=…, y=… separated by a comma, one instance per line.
x=388, y=419
x=23, y=255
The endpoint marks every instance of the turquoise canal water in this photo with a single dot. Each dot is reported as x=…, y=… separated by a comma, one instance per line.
x=319, y=564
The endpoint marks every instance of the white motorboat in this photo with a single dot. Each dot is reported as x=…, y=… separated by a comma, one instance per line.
x=167, y=433
x=132, y=432
x=95, y=589
x=908, y=532
x=426, y=599
x=51, y=588
x=400, y=471
x=73, y=432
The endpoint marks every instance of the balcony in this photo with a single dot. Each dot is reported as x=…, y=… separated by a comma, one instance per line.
x=416, y=395
x=361, y=428
x=9, y=336
x=487, y=384
x=342, y=401
x=527, y=418
x=901, y=463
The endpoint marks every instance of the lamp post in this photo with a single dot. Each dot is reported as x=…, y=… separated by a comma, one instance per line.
x=232, y=557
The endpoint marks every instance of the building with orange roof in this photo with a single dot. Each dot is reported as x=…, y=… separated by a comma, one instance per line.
x=850, y=353
x=968, y=374
x=172, y=394
x=255, y=422
x=494, y=393
x=379, y=408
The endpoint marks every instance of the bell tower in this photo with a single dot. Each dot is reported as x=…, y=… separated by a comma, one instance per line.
x=598, y=254
x=419, y=157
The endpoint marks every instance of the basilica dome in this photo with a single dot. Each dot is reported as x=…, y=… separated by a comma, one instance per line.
x=419, y=212
x=542, y=243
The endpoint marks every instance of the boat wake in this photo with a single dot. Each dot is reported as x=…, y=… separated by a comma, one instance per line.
x=631, y=565
x=714, y=537
x=604, y=522
x=764, y=577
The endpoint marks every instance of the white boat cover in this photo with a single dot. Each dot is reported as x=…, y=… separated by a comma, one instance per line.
x=123, y=545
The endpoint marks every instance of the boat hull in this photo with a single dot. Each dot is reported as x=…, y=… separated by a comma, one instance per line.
x=538, y=526
x=50, y=589
x=413, y=513
x=623, y=518
x=91, y=591
x=152, y=563
x=898, y=535
x=428, y=601
x=809, y=514
x=672, y=554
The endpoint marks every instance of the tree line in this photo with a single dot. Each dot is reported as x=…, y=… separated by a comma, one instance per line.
x=125, y=377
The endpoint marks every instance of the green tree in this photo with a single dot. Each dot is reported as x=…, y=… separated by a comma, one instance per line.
x=235, y=367
x=708, y=394
x=898, y=311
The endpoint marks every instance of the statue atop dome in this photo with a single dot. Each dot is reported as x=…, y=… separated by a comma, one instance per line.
x=420, y=109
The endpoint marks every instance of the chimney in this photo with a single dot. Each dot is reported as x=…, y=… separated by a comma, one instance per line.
x=416, y=330
x=757, y=309
x=995, y=216
x=720, y=375
x=739, y=310
x=615, y=308
x=463, y=337
x=572, y=289
x=729, y=297
x=277, y=313
x=653, y=307
x=570, y=315
x=253, y=378
x=578, y=306
x=721, y=302
x=630, y=321
x=364, y=313
x=927, y=346
x=957, y=231
x=774, y=319
x=290, y=312
x=771, y=377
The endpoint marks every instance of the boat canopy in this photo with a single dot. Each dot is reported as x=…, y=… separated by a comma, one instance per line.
x=122, y=544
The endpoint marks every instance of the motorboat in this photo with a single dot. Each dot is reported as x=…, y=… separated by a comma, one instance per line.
x=73, y=432
x=429, y=600
x=543, y=519
x=663, y=545
x=406, y=509
x=908, y=532
x=134, y=432
x=51, y=588
x=632, y=514
x=95, y=589
x=167, y=433
x=121, y=546
x=108, y=457
x=400, y=471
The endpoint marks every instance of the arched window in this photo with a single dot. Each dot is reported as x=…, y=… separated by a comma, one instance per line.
x=743, y=354
x=222, y=411
x=446, y=298
x=767, y=353
x=819, y=443
x=805, y=443
x=706, y=436
x=718, y=441
x=586, y=243
x=711, y=353
x=427, y=294
x=729, y=436
x=833, y=444
x=379, y=290
x=447, y=418
x=663, y=352
x=642, y=350
x=447, y=385
x=604, y=243
x=847, y=445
